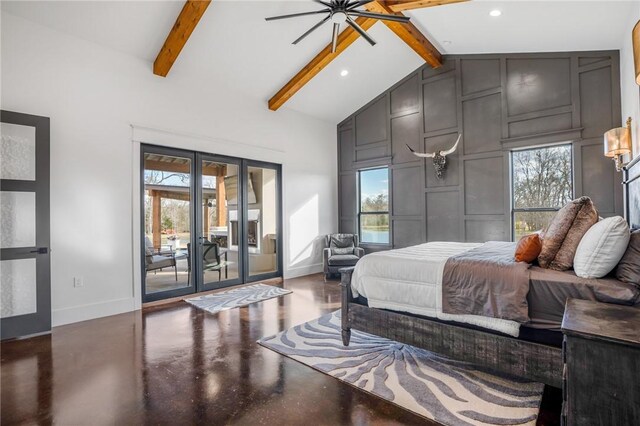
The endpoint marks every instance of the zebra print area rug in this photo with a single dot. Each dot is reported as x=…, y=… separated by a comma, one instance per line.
x=449, y=392
x=237, y=297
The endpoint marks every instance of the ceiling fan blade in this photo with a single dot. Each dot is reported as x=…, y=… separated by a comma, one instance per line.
x=328, y=4
x=358, y=3
x=360, y=31
x=382, y=16
x=294, y=15
x=312, y=29
x=334, y=37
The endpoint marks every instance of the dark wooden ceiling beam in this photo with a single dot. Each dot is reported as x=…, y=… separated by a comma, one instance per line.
x=189, y=17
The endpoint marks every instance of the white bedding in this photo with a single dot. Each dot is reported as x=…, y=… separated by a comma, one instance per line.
x=410, y=280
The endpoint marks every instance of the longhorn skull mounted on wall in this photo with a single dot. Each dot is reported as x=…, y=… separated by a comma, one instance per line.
x=439, y=157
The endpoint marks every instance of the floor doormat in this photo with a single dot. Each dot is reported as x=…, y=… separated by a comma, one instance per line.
x=237, y=297
x=450, y=392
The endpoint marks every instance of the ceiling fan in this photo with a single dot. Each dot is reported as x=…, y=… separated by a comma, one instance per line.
x=340, y=12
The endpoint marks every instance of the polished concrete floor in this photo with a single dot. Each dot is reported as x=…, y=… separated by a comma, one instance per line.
x=175, y=364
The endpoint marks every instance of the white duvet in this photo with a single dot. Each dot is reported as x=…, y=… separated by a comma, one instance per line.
x=410, y=280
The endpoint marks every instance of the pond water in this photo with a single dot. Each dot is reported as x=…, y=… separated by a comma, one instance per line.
x=375, y=236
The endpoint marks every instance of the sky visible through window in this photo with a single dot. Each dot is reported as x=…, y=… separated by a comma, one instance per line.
x=374, y=183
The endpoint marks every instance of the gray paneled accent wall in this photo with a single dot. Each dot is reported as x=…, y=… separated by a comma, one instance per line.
x=499, y=103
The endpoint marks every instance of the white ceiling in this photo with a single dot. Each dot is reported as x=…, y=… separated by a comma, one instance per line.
x=235, y=45
x=526, y=26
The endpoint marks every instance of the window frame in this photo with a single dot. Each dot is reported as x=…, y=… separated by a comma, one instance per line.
x=361, y=213
x=515, y=209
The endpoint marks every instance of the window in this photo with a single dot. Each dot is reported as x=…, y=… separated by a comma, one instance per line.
x=374, y=206
x=542, y=182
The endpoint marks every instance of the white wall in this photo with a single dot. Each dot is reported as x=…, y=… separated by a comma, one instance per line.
x=630, y=90
x=92, y=95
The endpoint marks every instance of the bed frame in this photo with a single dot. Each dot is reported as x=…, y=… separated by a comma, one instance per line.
x=520, y=358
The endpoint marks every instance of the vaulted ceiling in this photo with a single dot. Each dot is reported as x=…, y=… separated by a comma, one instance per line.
x=233, y=43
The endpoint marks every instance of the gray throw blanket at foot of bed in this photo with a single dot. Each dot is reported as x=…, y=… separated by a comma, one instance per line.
x=487, y=281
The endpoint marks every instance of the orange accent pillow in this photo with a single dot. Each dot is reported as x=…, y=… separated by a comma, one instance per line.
x=528, y=248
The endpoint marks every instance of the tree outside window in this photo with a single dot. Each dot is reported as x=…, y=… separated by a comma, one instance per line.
x=542, y=182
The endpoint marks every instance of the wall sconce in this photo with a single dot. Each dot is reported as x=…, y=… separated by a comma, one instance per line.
x=636, y=50
x=617, y=143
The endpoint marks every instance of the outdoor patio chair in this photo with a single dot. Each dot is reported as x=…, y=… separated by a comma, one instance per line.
x=157, y=259
x=211, y=259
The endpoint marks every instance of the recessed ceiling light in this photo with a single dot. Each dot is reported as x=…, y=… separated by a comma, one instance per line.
x=344, y=73
x=446, y=42
x=495, y=13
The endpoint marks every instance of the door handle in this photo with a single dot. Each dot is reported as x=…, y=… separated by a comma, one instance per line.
x=40, y=250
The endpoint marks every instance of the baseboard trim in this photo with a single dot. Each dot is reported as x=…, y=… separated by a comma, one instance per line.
x=113, y=307
x=91, y=311
x=301, y=271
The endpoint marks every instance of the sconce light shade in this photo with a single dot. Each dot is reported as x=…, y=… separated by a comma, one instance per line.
x=636, y=50
x=617, y=142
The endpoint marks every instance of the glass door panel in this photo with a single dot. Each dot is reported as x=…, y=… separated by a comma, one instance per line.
x=25, y=283
x=219, y=254
x=167, y=241
x=262, y=223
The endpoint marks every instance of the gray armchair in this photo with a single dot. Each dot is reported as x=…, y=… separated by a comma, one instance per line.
x=341, y=251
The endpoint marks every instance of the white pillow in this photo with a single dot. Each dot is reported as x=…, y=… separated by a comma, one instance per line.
x=601, y=248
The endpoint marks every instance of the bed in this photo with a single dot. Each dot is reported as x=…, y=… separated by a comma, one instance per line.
x=405, y=303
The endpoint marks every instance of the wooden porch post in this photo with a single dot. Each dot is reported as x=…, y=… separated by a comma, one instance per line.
x=156, y=219
x=221, y=196
x=205, y=219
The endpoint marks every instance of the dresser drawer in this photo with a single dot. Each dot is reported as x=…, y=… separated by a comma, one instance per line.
x=601, y=354
x=601, y=383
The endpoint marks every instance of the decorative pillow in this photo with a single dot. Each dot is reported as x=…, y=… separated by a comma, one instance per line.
x=561, y=239
x=628, y=269
x=342, y=244
x=602, y=248
x=528, y=248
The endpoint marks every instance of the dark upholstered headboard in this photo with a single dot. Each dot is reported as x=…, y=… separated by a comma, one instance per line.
x=632, y=193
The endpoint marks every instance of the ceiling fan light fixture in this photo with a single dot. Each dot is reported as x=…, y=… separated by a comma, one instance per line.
x=342, y=13
x=338, y=17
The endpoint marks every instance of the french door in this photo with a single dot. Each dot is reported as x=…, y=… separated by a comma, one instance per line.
x=208, y=221
x=25, y=297
x=219, y=256
x=263, y=222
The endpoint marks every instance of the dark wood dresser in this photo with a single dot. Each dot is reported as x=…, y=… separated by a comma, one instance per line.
x=601, y=353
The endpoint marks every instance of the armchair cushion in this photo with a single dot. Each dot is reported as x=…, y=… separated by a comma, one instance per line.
x=342, y=244
x=343, y=260
x=159, y=262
